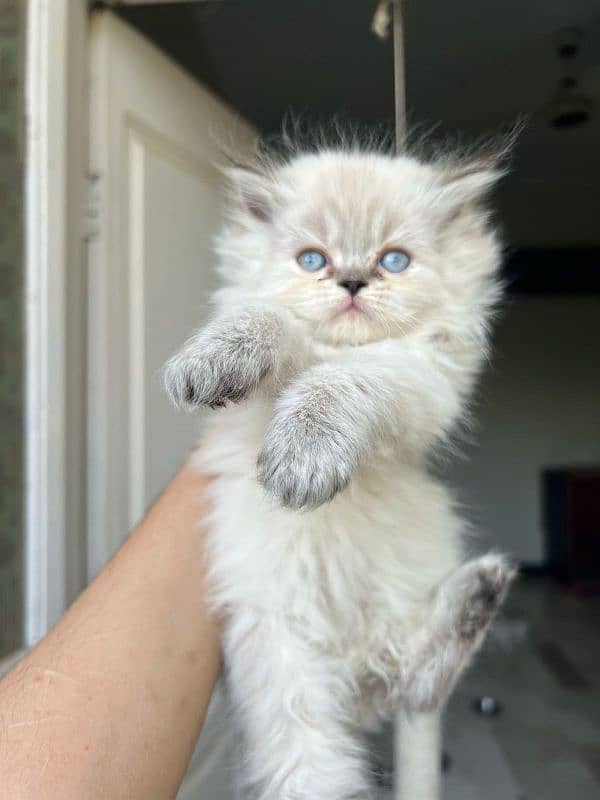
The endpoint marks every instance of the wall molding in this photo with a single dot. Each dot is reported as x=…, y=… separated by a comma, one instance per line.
x=54, y=307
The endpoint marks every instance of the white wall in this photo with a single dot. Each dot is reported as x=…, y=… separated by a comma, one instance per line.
x=539, y=406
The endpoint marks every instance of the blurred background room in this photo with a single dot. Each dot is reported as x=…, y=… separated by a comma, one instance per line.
x=111, y=120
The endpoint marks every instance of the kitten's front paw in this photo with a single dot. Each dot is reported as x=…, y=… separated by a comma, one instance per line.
x=211, y=375
x=304, y=462
x=226, y=361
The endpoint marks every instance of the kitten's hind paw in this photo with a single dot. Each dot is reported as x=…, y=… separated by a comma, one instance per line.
x=475, y=591
x=464, y=606
x=488, y=581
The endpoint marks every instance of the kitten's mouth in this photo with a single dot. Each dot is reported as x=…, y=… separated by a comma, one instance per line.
x=351, y=307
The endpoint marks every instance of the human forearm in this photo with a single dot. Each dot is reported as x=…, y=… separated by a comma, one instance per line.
x=110, y=703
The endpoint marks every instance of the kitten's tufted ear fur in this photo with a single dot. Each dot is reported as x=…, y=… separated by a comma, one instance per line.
x=467, y=178
x=252, y=187
x=467, y=183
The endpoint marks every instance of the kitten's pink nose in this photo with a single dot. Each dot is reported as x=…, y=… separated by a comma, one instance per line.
x=353, y=287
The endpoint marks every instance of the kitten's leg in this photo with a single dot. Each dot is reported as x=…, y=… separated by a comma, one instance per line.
x=453, y=628
x=334, y=416
x=315, y=440
x=417, y=756
x=228, y=359
x=293, y=706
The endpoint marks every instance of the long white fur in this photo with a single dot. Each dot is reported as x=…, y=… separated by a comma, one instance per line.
x=337, y=614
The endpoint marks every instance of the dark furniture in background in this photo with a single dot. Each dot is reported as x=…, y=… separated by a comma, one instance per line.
x=571, y=505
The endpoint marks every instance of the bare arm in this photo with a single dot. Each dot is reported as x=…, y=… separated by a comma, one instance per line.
x=110, y=703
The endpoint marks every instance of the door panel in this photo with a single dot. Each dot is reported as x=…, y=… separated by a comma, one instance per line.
x=170, y=262
x=153, y=145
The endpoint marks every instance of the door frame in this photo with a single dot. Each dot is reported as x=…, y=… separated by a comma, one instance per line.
x=55, y=301
x=60, y=221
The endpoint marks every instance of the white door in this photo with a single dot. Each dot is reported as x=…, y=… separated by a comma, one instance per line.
x=154, y=134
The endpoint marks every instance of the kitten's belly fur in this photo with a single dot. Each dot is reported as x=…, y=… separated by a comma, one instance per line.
x=348, y=578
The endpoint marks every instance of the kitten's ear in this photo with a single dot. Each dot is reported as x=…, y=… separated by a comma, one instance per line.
x=251, y=187
x=469, y=177
x=466, y=183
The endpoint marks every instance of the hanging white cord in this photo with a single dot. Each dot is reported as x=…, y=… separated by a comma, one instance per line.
x=380, y=26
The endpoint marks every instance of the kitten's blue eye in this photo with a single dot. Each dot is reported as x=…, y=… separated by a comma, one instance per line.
x=312, y=260
x=395, y=260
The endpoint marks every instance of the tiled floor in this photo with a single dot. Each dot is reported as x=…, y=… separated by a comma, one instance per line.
x=545, y=744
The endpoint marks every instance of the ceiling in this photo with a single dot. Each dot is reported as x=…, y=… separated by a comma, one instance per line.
x=471, y=68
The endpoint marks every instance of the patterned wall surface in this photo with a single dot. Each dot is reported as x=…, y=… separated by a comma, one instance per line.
x=11, y=327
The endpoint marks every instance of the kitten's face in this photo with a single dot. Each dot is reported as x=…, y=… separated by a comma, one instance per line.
x=362, y=247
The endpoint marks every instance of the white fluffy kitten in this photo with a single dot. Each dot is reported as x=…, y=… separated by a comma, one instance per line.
x=352, y=325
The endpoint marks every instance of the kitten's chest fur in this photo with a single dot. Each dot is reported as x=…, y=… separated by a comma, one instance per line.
x=340, y=574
